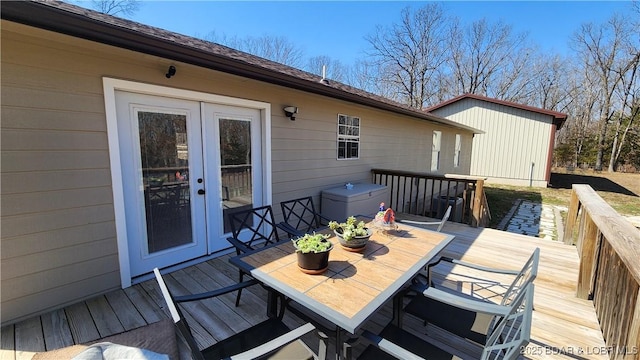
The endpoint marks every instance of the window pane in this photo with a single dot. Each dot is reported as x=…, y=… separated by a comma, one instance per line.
x=236, y=167
x=165, y=165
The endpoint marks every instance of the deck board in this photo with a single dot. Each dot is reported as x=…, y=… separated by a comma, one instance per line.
x=56, y=329
x=129, y=317
x=104, y=316
x=561, y=322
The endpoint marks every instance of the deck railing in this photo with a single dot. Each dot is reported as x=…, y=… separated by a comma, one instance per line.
x=429, y=195
x=609, y=248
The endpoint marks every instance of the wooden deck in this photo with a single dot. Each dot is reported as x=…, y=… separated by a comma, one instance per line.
x=563, y=326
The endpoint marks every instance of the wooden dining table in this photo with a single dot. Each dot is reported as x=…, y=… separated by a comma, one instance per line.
x=356, y=284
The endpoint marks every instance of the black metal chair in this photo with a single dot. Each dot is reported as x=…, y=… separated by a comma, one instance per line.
x=505, y=341
x=300, y=217
x=251, y=229
x=270, y=339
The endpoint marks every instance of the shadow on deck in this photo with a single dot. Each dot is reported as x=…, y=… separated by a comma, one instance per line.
x=563, y=325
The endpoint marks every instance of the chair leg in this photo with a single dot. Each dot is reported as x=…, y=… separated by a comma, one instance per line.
x=241, y=277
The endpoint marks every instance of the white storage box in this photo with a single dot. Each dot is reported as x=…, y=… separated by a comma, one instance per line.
x=363, y=199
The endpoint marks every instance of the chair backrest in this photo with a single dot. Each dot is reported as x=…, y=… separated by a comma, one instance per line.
x=257, y=225
x=179, y=320
x=513, y=332
x=301, y=214
x=444, y=218
x=523, y=278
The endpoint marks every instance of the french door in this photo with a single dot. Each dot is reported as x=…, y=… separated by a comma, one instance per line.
x=185, y=164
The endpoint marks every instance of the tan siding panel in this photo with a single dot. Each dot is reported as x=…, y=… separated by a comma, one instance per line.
x=61, y=296
x=25, y=224
x=52, y=240
x=57, y=260
x=55, y=180
x=53, y=160
x=13, y=139
x=15, y=204
x=50, y=79
x=23, y=97
x=21, y=118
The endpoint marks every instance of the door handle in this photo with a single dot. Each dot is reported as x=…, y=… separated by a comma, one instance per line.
x=200, y=191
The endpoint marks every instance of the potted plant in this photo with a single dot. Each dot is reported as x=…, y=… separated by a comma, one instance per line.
x=352, y=234
x=313, y=252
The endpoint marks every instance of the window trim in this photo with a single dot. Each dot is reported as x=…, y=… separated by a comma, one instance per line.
x=347, y=139
x=436, y=149
x=457, y=150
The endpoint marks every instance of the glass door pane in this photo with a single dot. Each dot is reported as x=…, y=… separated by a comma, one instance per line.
x=236, y=169
x=165, y=172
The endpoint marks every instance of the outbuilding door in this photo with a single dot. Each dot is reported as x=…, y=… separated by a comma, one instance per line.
x=184, y=165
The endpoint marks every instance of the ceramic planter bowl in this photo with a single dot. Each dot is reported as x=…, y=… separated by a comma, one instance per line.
x=357, y=243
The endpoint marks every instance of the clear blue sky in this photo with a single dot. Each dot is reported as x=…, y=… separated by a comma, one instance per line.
x=337, y=28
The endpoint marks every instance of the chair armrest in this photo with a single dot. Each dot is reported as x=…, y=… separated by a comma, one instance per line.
x=421, y=222
x=217, y=292
x=461, y=301
x=239, y=245
x=473, y=266
x=276, y=343
x=388, y=346
x=293, y=232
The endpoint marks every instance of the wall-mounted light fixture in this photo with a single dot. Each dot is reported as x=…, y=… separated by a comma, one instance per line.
x=290, y=111
x=170, y=72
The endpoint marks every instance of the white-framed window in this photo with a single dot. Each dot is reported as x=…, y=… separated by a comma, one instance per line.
x=348, y=137
x=456, y=152
x=435, y=150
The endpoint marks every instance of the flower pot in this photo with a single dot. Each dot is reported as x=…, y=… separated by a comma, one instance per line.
x=357, y=243
x=313, y=263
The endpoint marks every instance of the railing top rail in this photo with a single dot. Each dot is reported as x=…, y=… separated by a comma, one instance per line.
x=464, y=177
x=427, y=175
x=620, y=233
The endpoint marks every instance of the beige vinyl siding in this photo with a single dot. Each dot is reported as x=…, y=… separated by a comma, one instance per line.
x=58, y=230
x=513, y=140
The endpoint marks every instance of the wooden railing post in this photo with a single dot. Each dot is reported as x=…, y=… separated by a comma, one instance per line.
x=477, y=204
x=572, y=216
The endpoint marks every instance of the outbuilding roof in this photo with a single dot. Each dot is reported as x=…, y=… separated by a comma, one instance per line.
x=558, y=117
x=87, y=24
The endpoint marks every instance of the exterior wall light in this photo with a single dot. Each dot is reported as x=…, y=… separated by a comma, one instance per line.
x=170, y=72
x=290, y=111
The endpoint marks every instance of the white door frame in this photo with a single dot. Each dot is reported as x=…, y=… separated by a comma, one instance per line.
x=110, y=85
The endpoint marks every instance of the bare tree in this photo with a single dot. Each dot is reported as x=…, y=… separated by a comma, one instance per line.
x=274, y=48
x=629, y=96
x=549, y=84
x=487, y=59
x=604, y=51
x=116, y=7
x=409, y=55
x=327, y=67
x=628, y=92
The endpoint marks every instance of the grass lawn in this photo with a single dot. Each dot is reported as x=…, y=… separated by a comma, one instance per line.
x=621, y=191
